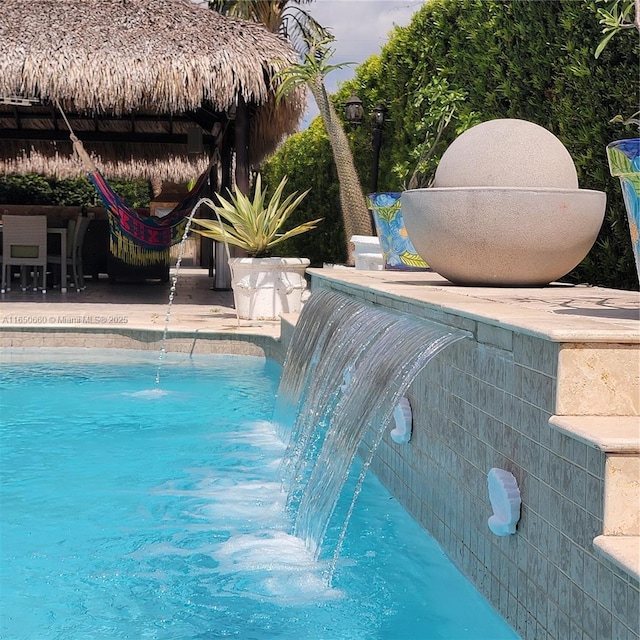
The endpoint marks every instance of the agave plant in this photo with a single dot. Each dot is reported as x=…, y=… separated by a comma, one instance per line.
x=249, y=223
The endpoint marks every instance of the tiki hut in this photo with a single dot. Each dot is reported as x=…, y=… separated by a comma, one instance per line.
x=139, y=80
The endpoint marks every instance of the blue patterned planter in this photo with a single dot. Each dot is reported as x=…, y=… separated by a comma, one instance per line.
x=624, y=162
x=397, y=249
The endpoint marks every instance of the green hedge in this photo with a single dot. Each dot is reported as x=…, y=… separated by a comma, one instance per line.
x=35, y=189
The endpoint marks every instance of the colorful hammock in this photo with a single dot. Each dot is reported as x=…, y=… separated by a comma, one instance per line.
x=145, y=240
x=139, y=240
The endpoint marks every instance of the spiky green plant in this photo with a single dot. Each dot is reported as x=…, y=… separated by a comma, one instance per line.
x=250, y=224
x=619, y=15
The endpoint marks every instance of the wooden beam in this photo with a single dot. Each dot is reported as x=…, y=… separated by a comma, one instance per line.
x=226, y=163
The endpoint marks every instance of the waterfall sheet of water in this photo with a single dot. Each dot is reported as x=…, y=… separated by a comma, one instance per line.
x=313, y=331
x=344, y=382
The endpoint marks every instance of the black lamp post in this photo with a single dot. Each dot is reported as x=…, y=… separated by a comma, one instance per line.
x=353, y=113
x=377, y=120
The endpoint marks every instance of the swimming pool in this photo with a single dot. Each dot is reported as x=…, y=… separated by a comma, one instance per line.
x=131, y=510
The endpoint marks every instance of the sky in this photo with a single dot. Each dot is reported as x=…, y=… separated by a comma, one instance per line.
x=360, y=28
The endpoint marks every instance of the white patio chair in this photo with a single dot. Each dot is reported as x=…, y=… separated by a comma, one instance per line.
x=24, y=245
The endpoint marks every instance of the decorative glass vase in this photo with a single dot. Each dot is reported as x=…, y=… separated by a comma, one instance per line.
x=624, y=162
x=397, y=249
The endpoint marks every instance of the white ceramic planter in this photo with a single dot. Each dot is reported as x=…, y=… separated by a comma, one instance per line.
x=265, y=288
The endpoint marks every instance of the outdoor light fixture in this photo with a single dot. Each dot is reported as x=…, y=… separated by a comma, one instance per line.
x=353, y=110
x=353, y=113
x=378, y=115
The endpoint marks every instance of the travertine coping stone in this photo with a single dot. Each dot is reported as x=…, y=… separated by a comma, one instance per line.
x=623, y=551
x=598, y=379
x=612, y=434
x=619, y=437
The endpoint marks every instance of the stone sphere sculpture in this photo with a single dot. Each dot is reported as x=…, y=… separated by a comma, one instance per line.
x=506, y=153
x=505, y=208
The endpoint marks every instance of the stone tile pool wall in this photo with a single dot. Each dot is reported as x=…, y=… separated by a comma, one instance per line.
x=471, y=414
x=486, y=402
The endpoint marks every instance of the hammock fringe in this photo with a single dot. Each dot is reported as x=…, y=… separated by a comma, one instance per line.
x=132, y=252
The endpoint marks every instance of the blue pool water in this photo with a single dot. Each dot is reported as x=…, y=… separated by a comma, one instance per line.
x=130, y=510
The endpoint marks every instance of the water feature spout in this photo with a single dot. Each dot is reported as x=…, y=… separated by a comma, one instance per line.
x=174, y=278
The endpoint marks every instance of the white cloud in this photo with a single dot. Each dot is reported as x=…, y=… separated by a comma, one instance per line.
x=361, y=28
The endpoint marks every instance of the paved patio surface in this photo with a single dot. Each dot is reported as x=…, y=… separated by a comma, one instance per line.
x=139, y=305
x=561, y=310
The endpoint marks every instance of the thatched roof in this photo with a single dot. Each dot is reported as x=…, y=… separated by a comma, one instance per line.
x=139, y=60
x=152, y=162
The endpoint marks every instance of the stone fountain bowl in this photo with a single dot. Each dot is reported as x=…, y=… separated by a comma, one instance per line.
x=503, y=236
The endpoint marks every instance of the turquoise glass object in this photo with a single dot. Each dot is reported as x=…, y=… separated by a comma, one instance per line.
x=624, y=162
x=397, y=249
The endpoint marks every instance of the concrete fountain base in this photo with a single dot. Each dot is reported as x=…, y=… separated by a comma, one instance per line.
x=505, y=208
x=503, y=236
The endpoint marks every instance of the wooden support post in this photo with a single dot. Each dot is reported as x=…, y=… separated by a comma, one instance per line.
x=242, y=146
x=219, y=266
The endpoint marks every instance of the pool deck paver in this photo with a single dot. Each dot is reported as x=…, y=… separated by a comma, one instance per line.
x=562, y=312
x=144, y=306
